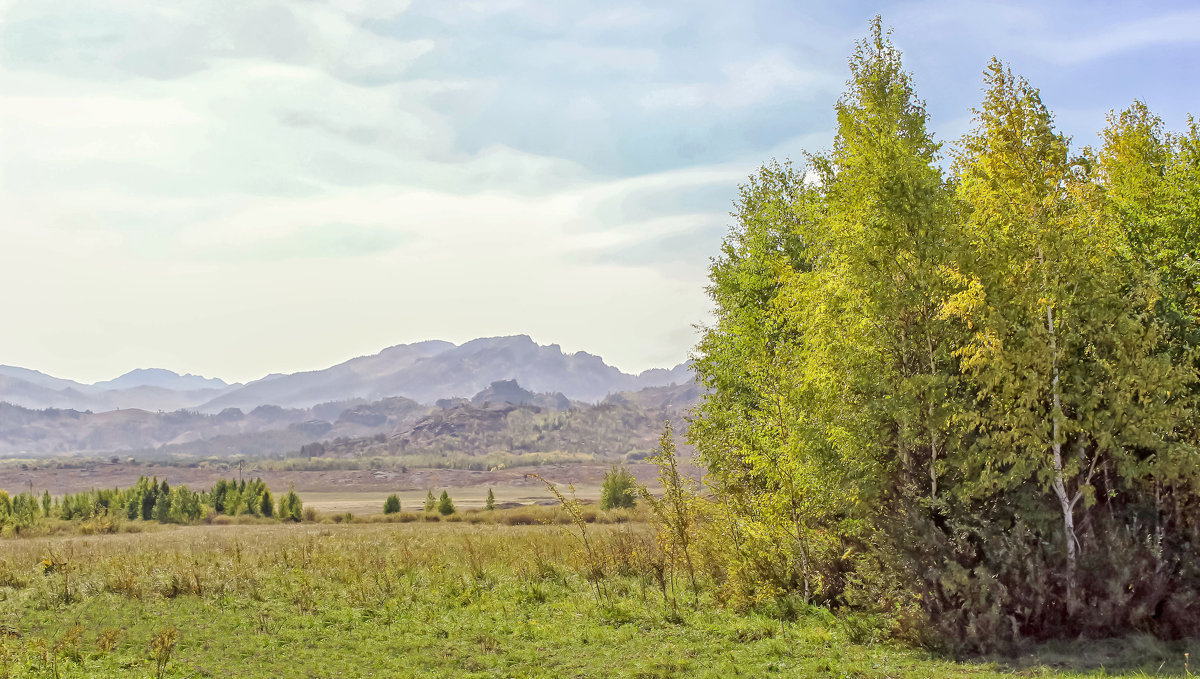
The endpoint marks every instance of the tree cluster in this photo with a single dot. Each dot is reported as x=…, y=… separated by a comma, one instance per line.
x=962, y=389
x=151, y=500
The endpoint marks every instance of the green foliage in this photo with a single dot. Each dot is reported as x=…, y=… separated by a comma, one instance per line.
x=430, y=502
x=291, y=508
x=953, y=399
x=445, y=505
x=676, y=512
x=162, y=509
x=418, y=608
x=618, y=490
x=392, y=504
x=147, y=500
x=490, y=503
x=24, y=511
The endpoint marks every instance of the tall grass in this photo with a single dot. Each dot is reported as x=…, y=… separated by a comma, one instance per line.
x=416, y=598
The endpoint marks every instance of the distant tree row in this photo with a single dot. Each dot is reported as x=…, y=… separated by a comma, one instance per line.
x=151, y=500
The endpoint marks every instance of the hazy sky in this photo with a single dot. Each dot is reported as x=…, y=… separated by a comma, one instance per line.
x=243, y=187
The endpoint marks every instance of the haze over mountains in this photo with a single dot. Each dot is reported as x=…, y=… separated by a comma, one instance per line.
x=153, y=409
x=424, y=372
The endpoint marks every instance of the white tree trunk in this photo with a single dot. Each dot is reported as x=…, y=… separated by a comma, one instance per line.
x=1060, y=485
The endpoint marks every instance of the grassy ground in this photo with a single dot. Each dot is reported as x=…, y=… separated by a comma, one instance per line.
x=427, y=600
x=362, y=503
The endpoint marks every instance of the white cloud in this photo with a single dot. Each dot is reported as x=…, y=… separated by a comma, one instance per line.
x=744, y=85
x=245, y=187
x=1124, y=36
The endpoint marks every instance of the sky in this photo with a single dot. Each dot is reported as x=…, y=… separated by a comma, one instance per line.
x=238, y=188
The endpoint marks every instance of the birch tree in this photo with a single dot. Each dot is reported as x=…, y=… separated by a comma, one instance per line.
x=1065, y=350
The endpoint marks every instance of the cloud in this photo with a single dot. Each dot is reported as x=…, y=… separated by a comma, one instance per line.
x=745, y=85
x=198, y=185
x=1121, y=37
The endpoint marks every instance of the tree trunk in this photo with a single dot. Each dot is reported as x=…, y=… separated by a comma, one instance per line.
x=1060, y=485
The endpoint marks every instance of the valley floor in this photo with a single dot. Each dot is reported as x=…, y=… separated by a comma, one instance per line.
x=429, y=600
x=360, y=491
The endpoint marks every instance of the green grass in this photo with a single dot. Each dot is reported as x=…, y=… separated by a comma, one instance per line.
x=428, y=600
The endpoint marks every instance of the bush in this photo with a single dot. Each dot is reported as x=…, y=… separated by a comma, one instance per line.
x=392, y=504
x=445, y=505
x=618, y=490
x=290, y=506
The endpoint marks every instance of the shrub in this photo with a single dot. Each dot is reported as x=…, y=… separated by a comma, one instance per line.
x=491, y=500
x=430, y=503
x=290, y=506
x=392, y=504
x=445, y=505
x=618, y=489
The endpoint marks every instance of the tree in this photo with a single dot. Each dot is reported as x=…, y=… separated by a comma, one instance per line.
x=46, y=503
x=445, y=505
x=290, y=506
x=6, y=507
x=888, y=219
x=430, y=502
x=1061, y=347
x=829, y=365
x=490, y=503
x=618, y=490
x=162, y=508
x=24, y=511
x=920, y=387
x=392, y=504
x=266, y=504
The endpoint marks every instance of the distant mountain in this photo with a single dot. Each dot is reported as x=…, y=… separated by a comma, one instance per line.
x=504, y=417
x=30, y=395
x=624, y=426
x=40, y=379
x=508, y=392
x=663, y=377
x=35, y=395
x=425, y=372
x=430, y=371
x=163, y=379
x=265, y=429
x=366, y=377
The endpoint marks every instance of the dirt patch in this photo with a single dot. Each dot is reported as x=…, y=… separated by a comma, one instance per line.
x=60, y=481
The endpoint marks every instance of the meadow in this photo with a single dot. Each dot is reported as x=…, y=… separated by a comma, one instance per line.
x=483, y=594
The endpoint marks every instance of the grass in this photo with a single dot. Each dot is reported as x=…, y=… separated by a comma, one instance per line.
x=429, y=599
x=469, y=497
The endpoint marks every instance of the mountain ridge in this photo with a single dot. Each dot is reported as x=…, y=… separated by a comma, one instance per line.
x=272, y=430
x=424, y=371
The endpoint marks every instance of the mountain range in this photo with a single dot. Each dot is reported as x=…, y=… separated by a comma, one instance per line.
x=502, y=418
x=423, y=372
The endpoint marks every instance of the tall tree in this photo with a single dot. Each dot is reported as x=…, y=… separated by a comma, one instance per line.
x=828, y=360
x=890, y=223
x=1063, y=346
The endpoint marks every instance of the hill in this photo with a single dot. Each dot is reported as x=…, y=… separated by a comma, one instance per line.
x=424, y=372
x=502, y=418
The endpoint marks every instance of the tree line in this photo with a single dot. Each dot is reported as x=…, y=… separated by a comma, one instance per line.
x=152, y=500
x=958, y=386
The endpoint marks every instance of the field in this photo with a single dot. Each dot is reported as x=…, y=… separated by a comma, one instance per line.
x=433, y=599
x=360, y=491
